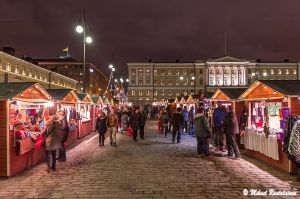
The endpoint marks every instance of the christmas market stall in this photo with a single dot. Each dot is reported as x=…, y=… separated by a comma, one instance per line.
x=86, y=114
x=271, y=104
x=66, y=100
x=228, y=97
x=24, y=107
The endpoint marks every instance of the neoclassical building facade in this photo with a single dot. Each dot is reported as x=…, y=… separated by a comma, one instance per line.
x=161, y=81
x=13, y=69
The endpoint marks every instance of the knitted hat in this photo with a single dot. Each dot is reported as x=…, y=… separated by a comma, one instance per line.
x=17, y=123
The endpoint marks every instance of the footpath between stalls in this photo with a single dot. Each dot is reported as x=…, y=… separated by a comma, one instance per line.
x=24, y=107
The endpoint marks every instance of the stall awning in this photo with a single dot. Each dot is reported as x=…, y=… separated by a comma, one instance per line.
x=65, y=95
x=24, y=91
x=272, y=89
x=95, y=99
x=84, y=97
x=228, y=94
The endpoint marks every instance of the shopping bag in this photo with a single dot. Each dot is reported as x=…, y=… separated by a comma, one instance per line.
x=129, y=132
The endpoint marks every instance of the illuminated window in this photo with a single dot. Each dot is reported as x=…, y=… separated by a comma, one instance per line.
x=287, y=71
x=147, y=92
x=140, y=93
x=155, y=92
x=169, y=72
x=132, y=92
x=162, y=92
x=16, y=69
x=155, y=71
x=8, y=66
x=294, y=72
x=279, y=71
x=162, y=82
x=272, y=72
x=170, y=82
x=30, y=73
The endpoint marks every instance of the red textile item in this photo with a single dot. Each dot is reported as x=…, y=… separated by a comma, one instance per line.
x=39, y=142
x=129, y=132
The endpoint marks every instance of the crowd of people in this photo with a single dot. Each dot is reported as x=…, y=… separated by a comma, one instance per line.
x=222, y=131
x=129, y=120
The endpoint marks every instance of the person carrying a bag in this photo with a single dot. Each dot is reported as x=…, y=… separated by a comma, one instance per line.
x=203, y=133
x=52, y=141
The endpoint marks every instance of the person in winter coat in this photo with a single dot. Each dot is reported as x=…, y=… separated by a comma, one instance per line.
x=177, y=122
x=112, y=123
x=203, y=133
x=160, y=122
x=52, y=141
x=219, y=116
x=143, y=122
x=165, y=122
x=185, y=114
x=135, y=123
x=231, y=128
x=64, y=133
x=191, y=119
x=101, y=126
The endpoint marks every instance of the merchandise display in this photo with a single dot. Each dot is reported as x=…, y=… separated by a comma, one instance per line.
x=28, y=124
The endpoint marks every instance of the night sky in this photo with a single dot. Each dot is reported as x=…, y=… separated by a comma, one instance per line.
x=161, y=30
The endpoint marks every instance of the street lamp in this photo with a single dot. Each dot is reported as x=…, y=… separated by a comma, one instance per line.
x=111, y=66
x=81, y=29
x=127, y=80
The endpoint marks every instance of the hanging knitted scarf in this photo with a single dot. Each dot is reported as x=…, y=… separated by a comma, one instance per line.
x=294, y=143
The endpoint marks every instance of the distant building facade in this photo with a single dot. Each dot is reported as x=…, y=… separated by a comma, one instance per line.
x=96, y=80
x=161, y=81
x=13, y=69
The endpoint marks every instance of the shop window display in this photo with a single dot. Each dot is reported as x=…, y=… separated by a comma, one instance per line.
x=28, y=124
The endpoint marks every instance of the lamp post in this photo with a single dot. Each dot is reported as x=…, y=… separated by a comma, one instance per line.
x=82, y=29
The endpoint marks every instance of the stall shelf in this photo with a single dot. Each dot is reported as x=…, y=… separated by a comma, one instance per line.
x=86, y=114
x=269, y=102
x=23, y=107
x=66, y=100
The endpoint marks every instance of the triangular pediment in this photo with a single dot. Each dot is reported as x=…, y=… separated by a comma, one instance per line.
x=227, y=59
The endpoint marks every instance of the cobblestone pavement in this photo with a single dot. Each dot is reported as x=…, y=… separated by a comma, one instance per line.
x=150, y=168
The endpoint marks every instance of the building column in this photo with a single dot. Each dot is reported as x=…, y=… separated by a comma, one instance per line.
x=223, y=71
x=216, y=71
x=239, y=75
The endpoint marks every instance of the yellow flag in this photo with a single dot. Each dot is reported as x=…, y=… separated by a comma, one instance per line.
x=66, y=49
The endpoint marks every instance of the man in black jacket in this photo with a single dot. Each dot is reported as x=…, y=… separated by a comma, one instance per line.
x=64, y=132
x=135, y=122
x=177, y=122
x=143, y=115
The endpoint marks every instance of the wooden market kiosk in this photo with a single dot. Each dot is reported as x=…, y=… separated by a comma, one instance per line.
x=66, y=100
x=268, y=102
x=21, y=105
x=229, y=97
x=86, y=114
